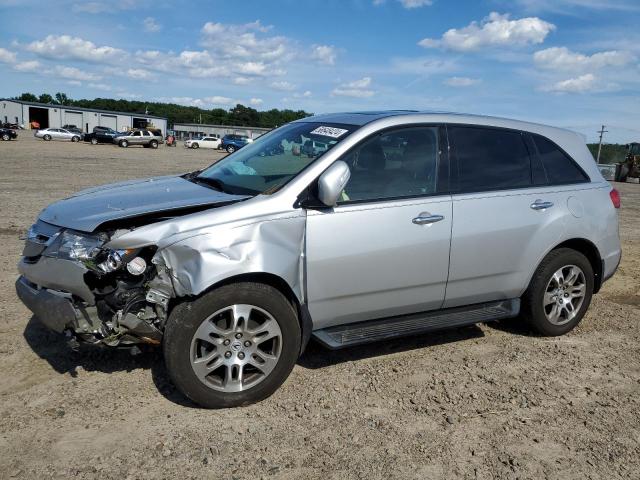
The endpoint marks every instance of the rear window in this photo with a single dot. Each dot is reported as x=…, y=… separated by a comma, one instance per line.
x=490, y=159
x=560, y=168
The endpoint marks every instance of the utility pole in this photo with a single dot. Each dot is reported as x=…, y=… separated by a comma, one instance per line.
x=602, y=131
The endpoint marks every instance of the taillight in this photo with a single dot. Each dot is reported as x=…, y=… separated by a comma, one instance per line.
x=615, y=198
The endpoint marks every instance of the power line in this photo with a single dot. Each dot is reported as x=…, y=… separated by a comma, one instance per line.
x=602, y=132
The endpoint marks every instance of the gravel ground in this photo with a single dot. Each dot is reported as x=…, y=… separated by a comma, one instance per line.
x=488, y=401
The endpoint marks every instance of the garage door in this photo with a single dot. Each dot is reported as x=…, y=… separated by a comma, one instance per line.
x=73, y=118
x=109, y=121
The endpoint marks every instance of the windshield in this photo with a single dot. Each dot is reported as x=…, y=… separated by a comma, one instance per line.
x=269, y=162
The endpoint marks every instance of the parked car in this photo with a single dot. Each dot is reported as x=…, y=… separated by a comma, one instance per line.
x=146, y=138
x=101, y=135
x=204, y=142
x=57, y=134
x=8, y=134
x=233, y=268
x=233, y=142
x=73, y=129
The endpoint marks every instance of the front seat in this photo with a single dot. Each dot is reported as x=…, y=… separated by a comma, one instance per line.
x=367, y=177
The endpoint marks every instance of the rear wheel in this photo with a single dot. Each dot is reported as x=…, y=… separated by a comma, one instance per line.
x=123, y=143
x=233, y=346
x=560, y=292
x=5, y=137
x=231, y=148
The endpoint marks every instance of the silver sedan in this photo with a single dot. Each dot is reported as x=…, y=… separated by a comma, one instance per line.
x=57, y=134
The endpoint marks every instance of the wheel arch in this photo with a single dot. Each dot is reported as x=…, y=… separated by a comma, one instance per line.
x=585, y=247
x=280, y=284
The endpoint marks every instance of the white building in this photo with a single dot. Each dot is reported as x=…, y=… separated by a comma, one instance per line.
x=190, y=130
x=56, y=116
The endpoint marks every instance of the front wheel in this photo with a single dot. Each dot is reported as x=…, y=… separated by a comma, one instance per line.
x=46, y=138
x=123, y=143
x=195, y=145
x=75, y=139
x=5, y=137
x=559, y=293
x=94, y=141
x=231, y=148
x=233, y=346
x=153, y=144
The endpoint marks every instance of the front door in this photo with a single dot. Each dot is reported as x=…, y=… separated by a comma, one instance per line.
x=384, y=249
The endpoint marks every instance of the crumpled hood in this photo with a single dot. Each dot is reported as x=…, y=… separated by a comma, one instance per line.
x=89, y=208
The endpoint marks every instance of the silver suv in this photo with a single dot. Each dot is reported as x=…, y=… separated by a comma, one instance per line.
x=146, y=138
x=405, y=223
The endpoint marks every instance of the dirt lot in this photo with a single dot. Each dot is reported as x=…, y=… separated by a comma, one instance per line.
x=490, y=401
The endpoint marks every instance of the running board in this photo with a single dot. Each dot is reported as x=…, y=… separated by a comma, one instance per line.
x=393, y=327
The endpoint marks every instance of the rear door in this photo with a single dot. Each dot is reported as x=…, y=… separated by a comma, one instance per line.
x=384, y=249
x=505, y=216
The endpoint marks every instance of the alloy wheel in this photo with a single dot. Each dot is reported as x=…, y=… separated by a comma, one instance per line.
x=564, y=294
x=236, y=348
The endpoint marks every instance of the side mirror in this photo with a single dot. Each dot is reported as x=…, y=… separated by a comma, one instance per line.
x=332, y=182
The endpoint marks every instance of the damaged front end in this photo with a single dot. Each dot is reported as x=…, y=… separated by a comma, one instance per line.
x=94, y=294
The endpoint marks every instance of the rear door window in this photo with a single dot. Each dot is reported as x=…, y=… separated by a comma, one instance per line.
x=559, y=167
x=490, y=158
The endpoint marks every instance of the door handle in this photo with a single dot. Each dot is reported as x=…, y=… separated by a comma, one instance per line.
x=427, y=219
x=541, y=205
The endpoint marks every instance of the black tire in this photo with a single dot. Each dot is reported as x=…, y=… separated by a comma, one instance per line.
x=532, y=300
x=195, y=145
x=94, y=141
x=230, y=148
x=75, y=139
x=153, y=144
x=46, y=138
x=123, y=143
x=5, y=137
x=185, y=319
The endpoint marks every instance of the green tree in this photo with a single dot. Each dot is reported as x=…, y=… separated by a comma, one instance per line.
x=27, y=97
x=45, y=98
x=62, y=99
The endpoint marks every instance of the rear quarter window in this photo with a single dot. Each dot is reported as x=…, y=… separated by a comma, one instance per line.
x=490, y=158
x=559, y=167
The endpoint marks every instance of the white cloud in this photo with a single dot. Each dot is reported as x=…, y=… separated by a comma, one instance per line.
x=583, y=83
x=256, y=101
x=26, y=67
x=241, y=80
x=305, y=94
x=408, y=3
x=283, y=86
x=219, y=100
x=71, y=73
x=75, y=83
x=7, y=56
x=357, y=89
x=461, y=81
x=100, y=86
x=66, y=47
x=138, y=74
x=495, y=30
x=150, y=25
x=324, y=54
x=563, y=59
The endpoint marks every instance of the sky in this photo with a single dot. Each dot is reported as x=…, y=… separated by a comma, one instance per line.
x=568, y=63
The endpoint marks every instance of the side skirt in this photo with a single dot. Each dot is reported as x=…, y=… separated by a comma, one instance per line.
x=393, y=327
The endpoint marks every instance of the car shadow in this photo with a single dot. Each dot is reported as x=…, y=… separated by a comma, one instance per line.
x=514, y=326
x=52, y=348
x=317, y=356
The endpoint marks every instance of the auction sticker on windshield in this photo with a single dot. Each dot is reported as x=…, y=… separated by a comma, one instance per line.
x=332, y=132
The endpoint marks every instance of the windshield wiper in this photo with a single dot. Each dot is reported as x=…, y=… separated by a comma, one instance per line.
x=211, y=183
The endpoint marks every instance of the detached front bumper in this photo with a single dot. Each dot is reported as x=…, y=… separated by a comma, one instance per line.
x=55, y=311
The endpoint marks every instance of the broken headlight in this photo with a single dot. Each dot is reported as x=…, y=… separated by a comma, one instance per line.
x=71, y=245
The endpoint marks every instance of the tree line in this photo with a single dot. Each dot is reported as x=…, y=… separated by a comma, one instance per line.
x=239, y=115
x=610, y=153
